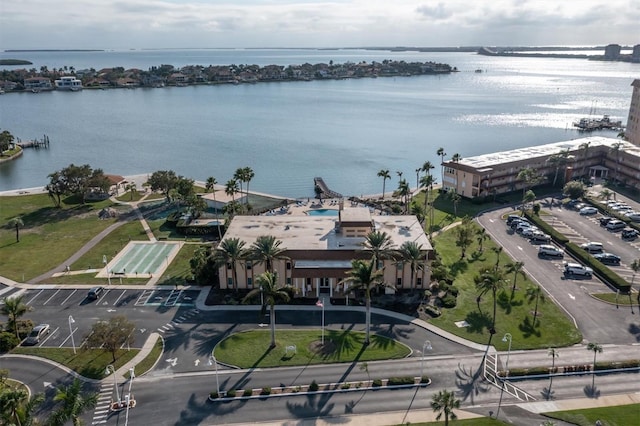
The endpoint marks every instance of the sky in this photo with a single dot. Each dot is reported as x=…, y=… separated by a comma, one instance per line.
x=136, y=24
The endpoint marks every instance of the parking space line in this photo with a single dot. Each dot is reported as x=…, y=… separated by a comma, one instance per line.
x=34, y=297
x=52, y=296
x=103, y=296
x=48, y=337
x=69, y=337
x=119, y=297
x=65, y=300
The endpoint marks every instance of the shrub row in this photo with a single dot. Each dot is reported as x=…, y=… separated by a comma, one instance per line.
x=601, y=270
x=539, y=371
x=547, y=229
x=605, y=211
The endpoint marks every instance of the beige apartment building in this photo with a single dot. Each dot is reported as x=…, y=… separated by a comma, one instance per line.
x=319, y=250
x=592, y=157
x=632, y=131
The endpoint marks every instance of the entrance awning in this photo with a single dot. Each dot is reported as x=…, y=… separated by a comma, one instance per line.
x=321, y=268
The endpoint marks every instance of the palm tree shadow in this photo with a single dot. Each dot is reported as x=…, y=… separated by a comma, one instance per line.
x=196, y=412
x=477, y=321
x=528, y=329
x=316, y=406
x=470, y=383
x=591, y=391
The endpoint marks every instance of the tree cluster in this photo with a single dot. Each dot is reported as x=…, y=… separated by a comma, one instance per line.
x=6, y=139
x=76, y=180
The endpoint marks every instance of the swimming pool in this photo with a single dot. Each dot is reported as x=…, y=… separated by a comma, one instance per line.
x=322, y=212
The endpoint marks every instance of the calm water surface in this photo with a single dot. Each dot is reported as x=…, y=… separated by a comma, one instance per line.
x=344, y=131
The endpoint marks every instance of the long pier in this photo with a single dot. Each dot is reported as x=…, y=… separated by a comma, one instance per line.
x=35, y=143
x=319, y=182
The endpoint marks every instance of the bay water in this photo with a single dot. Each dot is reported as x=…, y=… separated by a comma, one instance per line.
x=289, y=132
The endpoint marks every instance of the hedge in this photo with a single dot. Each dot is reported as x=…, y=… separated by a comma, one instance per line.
x=612, y=213
x=599, y=269
x=547, y=229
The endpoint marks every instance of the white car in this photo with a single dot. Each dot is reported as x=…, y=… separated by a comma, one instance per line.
x=549, y=250
x=634, y=217
x=592, y=247
x=588, y=210
x=577, y=269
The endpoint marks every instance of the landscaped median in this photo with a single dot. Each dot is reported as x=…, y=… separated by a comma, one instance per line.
x=375, y=384
x=602, y=367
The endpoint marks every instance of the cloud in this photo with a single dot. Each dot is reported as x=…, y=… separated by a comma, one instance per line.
x=439, y=12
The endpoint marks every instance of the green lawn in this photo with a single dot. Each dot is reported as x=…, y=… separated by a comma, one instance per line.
x=90, y=363
x=620, y=299
x=621, y=415
x=251, y=349
x=49, y=235
x=92, y=280
x=179, y=271
x=130, y=196
x=515, y=316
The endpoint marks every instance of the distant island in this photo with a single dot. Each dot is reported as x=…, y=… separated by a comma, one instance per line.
x=167, y=75
x=15, y=62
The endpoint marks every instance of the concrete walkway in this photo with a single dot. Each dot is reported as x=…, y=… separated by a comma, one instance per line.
x=140, y=356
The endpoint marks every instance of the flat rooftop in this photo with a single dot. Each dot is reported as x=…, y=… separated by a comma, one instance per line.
x=303, y=232
x=522, y=154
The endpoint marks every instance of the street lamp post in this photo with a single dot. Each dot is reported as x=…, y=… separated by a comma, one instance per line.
x=115, y=383
x=212, y=360
x=73, y=343
x=129, y=398
x=505, y=338
x=425, y=347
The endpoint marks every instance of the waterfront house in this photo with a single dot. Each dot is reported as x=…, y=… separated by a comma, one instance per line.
x=219, y=198
x=37, y=83
x=318, y=250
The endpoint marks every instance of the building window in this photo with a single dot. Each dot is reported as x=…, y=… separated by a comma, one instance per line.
x=288, y=280
x=229, y=265
x=308, y=281
x=288, y=266
x=249, y=265
x=229, y=282
x=419, y=282
x=249, y=282
x=399, y=282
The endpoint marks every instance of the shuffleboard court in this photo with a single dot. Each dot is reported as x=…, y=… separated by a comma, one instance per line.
x=142, y=259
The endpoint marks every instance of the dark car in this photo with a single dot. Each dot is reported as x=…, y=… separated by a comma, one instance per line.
x=95, y=293
x=608, y=258
x=604, y=220
x=629, y=234
x=36, y=334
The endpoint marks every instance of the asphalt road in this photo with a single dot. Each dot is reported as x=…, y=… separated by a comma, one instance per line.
x=598, y=321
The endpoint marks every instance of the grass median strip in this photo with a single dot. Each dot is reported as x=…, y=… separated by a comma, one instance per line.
x=150, y=360
x=251, y=349
x=90, y=363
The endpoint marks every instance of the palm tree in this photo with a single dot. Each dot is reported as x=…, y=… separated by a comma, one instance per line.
x=444, y=402
x=363, y=276
x=553, y=353
x=481, y=236
x=427, y=182
x=584, y=148
x=418, y=170
x=596, y=348
x=238, y=176
x=11, y=401
x=74, y=404
x=529, y=177
x=515, y=268
x=490, y=281
x=230, y=252
x=464, y=237
x=231, y=188
x=412, y=252
x=267, y=286
x=558, y=160
x=17, y=223
x=380, y=244
x=617, y=148
x=529, y=197
x=210, y=184
x=456, y=159
x=14, y=308
x=404, y=191
x=248, y=176
x=605, y=194
x=399, y=173
x=498, y=252
x=455, y=199
x=131, y=187
x=384, y=174
x=535, y=293
x=266, y=249
x=442, y=154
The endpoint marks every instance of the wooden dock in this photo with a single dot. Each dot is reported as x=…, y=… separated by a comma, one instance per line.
x=35, y=143
x=326, y=192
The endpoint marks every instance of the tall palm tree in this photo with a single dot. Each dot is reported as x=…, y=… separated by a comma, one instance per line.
x=553, y=353
x=399, y=173
x=248, y=174
x=498, y=252
x=427, y=182
x=464, y=237
x=404, y=191
x=557, y=161
x=17, y=223
x=16, y=408
x=444, y=402
x=14, y=308
x=455, y=199
x=380, y=245
x=535, y=293
x=490, y=281
x=617, y=148
x=266, y=250
x=456, y=159
x=412, y=252
x=267, y=286
x=74, y=404
x=529, y=177
x=238, y=176
x=230, y=251
x=515, y=268
x=440, y=152
x=584, y=148
x=418, y=170
x=231, y=188
x=363, y=276
x=210, y=186
x=597, y=349
x=482, y=236
x=384, y=174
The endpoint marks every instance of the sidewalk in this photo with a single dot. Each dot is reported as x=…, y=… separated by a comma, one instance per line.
x=144, y=351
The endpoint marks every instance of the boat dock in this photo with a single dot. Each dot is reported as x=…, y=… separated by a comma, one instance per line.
x=326, y=192
x=35, y=143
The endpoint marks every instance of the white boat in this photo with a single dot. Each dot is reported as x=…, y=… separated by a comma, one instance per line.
x=69, y=83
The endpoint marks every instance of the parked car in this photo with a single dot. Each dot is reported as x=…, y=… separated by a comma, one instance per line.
x=94, y=293
x=539, y=237
x=38, y=332
x=634, y=216
x=604, y=220
x=549, y=250
x=577, y=269
x=629, y=234
x=516, y=222
x=588, y=211
x=524, y=225
x=528, y=232
x=580, y=206
x=513, y=217
x=607, y=258
x=592, y=247
x=615, y=225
